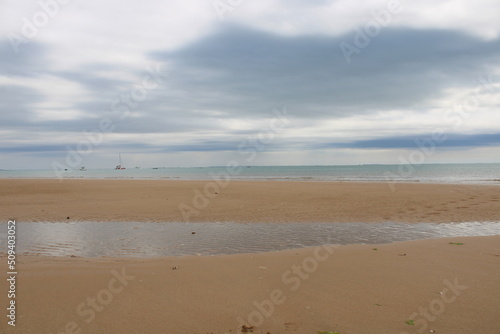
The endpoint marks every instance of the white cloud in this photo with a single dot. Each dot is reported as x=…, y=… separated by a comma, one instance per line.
x=342, y=16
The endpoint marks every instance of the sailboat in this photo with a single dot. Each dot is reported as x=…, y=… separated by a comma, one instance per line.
x=120, y=160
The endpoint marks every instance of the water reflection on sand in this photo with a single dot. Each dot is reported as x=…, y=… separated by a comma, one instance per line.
x=136, y=239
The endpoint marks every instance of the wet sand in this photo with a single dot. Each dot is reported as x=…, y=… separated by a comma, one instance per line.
x=244, y=201
x=350, y=289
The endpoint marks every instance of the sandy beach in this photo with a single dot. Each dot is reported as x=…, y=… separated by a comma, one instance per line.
x=250, y=167
x=354, y=289
x=244, y=201
x=444, y=285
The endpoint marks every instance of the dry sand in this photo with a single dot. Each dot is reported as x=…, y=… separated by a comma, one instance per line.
x=245, y=201
x=354, y=289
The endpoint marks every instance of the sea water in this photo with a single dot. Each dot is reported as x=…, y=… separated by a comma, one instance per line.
x=426, y=173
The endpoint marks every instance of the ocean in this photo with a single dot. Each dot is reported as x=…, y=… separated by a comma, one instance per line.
x=425, y=173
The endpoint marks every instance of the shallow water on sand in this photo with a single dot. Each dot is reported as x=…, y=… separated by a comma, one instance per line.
x=136, y=239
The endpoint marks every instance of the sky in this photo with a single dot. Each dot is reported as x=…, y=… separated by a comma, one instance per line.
x=263, y=82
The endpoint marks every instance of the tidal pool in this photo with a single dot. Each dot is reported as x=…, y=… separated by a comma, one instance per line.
x=138, y=239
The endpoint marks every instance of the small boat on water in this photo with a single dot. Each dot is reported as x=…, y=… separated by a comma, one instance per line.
x=119, y=166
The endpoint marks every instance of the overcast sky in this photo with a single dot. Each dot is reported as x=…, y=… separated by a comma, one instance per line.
x=198, y=83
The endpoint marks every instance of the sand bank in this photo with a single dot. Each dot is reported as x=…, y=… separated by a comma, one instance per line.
x=244, y=201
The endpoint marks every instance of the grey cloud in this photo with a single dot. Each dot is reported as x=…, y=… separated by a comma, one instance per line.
x=32, y=148
x=245, y=73
x=452, y=141
x=408, y=142
x=31, y=61
x=15, y=106
x=238, y=70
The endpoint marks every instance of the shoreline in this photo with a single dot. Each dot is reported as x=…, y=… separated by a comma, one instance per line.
x=493, y=182
x=244, y=201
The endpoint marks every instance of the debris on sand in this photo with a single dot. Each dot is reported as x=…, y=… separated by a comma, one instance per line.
x=247, y=329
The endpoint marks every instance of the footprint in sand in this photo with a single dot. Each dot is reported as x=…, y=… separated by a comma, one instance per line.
x=291, y=327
